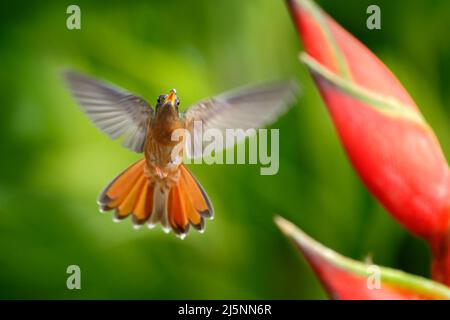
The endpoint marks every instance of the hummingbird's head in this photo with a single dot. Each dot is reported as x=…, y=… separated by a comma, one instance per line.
x=168, y=101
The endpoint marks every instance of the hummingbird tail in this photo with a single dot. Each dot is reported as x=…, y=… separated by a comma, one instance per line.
x=188, y=204
x=132, y=193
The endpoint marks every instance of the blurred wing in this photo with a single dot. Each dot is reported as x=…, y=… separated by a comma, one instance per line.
x=244, y=108
x=116, y=112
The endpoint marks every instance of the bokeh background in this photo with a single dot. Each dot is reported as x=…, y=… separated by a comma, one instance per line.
x=54, y=162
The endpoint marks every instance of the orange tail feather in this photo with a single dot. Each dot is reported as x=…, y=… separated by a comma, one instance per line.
x=188, y=204
x=132, y=193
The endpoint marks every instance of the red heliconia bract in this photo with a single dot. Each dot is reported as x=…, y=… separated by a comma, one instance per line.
x=389, y=143
x=347, y=279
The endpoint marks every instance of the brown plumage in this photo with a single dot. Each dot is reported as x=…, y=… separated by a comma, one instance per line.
x=159, y=188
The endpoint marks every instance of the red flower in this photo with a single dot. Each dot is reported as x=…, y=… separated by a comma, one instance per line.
x=389, y=143
x=348, y=279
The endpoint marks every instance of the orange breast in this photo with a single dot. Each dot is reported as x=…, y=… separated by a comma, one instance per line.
x=163, y=153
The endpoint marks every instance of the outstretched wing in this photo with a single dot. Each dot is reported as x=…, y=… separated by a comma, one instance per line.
x=244, y=108
x=116, y=112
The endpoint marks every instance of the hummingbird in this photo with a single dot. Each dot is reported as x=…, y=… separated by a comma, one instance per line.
x=159, y=188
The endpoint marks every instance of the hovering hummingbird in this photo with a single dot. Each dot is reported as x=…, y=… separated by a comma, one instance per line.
x=158, y=188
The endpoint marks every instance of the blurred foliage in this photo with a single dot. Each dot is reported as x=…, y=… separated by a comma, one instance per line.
x=54, y=162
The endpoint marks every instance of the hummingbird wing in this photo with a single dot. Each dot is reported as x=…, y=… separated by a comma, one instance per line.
x=114, y=111
x=244, y=108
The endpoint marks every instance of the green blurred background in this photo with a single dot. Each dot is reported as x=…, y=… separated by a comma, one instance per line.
x=54, y=162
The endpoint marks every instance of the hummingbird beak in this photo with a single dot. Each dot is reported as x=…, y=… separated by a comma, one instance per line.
x=171, y=97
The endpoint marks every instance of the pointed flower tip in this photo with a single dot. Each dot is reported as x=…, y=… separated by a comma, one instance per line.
x=284, y=225
x=300, y=238
x=345, y=278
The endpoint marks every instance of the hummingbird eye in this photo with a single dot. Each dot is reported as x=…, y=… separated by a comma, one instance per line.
x=161, y=98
